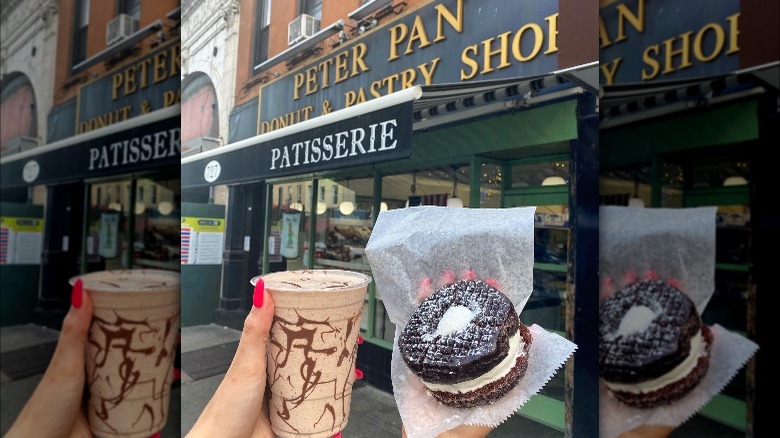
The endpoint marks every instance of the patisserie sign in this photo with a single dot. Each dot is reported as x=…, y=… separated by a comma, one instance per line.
x=372, y=137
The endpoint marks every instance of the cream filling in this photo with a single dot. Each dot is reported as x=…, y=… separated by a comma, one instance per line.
x=496, y=373
x=698, y=349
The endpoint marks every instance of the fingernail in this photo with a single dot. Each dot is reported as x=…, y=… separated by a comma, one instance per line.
x=493, y=283
x=630, y=278
x=156, y=435
x=469, y=275
x=448, y=277
x=651, y=275
x=337, y=435
x=674, y=282
x=360, y=339
x=257, y=297
x=358, y=374
x=77, y=295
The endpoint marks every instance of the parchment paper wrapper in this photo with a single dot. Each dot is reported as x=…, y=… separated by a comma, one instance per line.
x=677, y=243
x=410, y=244
x=674, y=242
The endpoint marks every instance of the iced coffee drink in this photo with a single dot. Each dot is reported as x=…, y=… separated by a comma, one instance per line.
x=130, y=350
x=312, y=349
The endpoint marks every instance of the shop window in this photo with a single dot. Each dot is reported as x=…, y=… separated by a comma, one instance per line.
x=263, y=20
x=80, y=31
x=157, y=231
x=490, y=186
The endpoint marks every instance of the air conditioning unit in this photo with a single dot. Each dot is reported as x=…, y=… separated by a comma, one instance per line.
x=302, y=28
x=121, y=27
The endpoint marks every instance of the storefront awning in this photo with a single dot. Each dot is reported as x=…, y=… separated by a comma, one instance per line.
x=628, y=103
x=142, y=143
x=286, y=152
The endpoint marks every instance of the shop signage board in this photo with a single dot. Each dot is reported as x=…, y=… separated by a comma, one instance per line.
x=21, y=240
x=202, y=240
x=642, y=40
x=372, y=137
x=147, y=84
x=445, y=41
x=136, y=149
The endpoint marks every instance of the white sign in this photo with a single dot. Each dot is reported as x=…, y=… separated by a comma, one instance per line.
x=21, y=241
x=212, y=171
x=31, y=171
x=109, y=234
x=290, y=225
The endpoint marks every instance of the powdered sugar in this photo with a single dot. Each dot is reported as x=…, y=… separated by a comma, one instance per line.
x=455, y=319
x=636, y=320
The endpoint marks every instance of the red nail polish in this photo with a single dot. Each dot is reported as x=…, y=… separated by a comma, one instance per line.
x=469, y=275
x=360, y=339
x=358, y=374
x=257, y=297
x=337, y=435
x=77, y=295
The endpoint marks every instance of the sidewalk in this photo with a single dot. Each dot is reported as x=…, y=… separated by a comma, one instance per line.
x=25, y=351
x=206, y=354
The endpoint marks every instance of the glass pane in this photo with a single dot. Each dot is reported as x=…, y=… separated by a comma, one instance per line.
x=546, y=306
x=106, y=239
x=435, y=186
x=531, y=175
x=289, y=227
x=383, y=328
x=157, y=235
x=490, y=186
x=344, y=223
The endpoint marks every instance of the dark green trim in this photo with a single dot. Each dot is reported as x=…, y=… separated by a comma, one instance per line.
x=315, y=184
x=14, y=209
x=734, y=267
x=545, y=410
x=84, y=230
x=267, y=226
x=539, y=160
x=726, y=410
x=131, y=227
x=475, y=181
x=542, y=195
x=657, y=184
x=195, y=209
x=370, y=329
x=708, y=196
x=551, y=267
x=377, y=198
x=637, y=143
x=380, y=342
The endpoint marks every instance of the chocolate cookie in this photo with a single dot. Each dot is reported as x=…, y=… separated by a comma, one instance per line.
x=653, y=347
x=466, y=343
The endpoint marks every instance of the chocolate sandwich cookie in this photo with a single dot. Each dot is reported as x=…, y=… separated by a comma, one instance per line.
x=467, y=344
x=653, y=347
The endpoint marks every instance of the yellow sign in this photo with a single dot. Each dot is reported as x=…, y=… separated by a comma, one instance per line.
x=200, y=224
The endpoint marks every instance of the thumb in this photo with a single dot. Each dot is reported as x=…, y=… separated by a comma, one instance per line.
x=250, y=357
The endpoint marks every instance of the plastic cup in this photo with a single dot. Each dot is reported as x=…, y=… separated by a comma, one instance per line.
x=130, y=350
x=312, y=349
